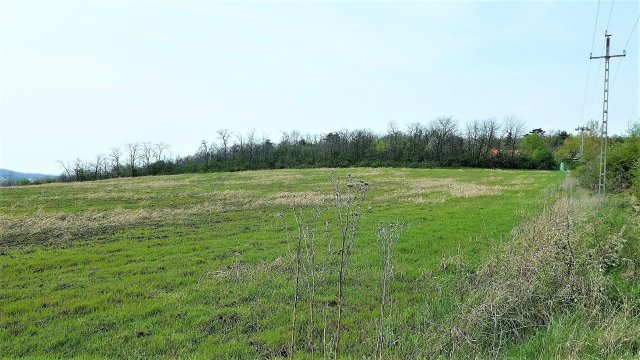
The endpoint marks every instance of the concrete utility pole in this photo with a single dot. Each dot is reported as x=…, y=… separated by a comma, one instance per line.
x=582, y=129
x=602, y=178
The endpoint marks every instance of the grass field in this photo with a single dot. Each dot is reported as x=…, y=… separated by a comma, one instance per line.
x=201, y=265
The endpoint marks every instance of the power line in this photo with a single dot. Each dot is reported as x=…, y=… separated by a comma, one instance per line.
x=610, y=12
x=634, y=27
x=615, y=74
x=586, y=86
x=593, y=93
x=595, y=27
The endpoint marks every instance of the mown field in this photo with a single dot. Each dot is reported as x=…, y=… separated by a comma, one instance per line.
x=202, y=266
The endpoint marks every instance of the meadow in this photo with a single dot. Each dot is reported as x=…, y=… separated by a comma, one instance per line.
x=202, y=265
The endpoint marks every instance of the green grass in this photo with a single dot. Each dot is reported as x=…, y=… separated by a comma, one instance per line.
x=199, y=265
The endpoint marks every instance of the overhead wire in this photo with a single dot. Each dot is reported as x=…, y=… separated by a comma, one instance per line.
x=615, y=74
x=603, y=49
x=610, y=12
x=593, y=41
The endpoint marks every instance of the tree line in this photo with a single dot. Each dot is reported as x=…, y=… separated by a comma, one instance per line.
x=488, y=143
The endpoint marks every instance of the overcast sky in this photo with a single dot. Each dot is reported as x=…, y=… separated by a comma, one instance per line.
x=80, y=77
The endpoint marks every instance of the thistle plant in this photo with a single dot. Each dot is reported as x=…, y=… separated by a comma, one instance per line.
x=348, y=208
x=388, y=236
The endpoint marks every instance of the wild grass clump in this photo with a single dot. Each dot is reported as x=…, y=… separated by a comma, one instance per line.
x=560, y=263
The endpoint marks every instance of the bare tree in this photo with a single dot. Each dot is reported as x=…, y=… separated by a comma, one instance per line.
x=251, y=145
x=241, y=146
x=133, y=150
x=490, y=128
x=78, y=169
x=394, y=135
x=443, y=129
x=224, y=136
x=97, y=164
x=472, y=137
x=417, y=141
x=158, y=149
x=513, y=129
x=204, y=151
x=10, y=178
x=67, y=169
x=146, y=154
x=116, y=153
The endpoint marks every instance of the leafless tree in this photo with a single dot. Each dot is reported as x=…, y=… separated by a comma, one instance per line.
x=204, y=151
x=490, y=129
x=224, y=136
x=78, y=168
x=97, y=165
x=116, y=153
x=442, y=129
x=158, y=149
x=133, y=150
x=67, y=169
x=251, y=144
x=295, y=136
x=241, y=146
x=513, y=129
x=146, y=154
x=472, y=138
x=10, y=178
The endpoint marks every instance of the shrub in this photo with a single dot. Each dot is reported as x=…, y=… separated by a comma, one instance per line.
x=563, y=262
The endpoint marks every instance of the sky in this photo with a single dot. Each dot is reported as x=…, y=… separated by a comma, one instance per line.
x=78, y=78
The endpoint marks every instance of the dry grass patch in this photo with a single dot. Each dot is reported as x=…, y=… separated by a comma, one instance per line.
x=262, y=177
x=415, y=190
x=548, y=269
x=240, y=270
x=304, y=198
x=54, y=227
x=455, y=188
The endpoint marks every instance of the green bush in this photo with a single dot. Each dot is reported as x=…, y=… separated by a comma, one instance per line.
x=545, y=159
x=622, y=163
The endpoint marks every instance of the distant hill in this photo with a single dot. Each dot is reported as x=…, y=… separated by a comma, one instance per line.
x=6, y=174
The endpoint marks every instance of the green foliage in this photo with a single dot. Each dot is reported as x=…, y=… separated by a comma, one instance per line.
x=534, y=146
x=531, y=143
x=544, y=159
x=622, y=162
x=623, y=159
x=569, y=149
x=636, y=180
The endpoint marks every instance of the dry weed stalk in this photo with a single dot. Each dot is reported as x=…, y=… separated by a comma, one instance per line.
x=388, y=236
x=348, y=207
x=310, y=269
x=305, y=243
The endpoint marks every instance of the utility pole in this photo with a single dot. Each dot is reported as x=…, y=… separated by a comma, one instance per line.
x=602, y=178
x=582, y=129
